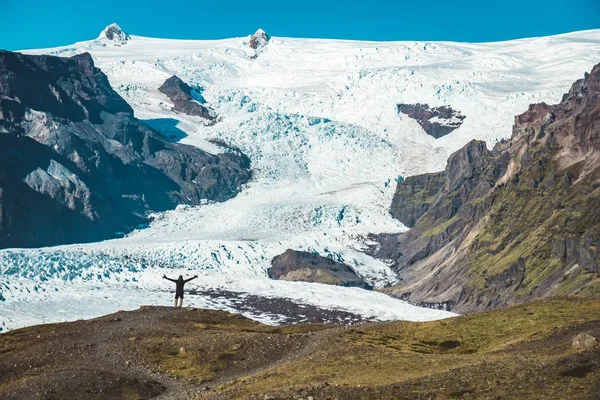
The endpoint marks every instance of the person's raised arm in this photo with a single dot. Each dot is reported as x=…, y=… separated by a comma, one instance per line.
x=169, y=279
x=193, y=277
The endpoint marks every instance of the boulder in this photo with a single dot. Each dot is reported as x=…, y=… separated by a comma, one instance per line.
x=584, y=341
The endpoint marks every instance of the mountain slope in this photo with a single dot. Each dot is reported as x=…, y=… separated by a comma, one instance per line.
x=76, y=166
x=515, y=223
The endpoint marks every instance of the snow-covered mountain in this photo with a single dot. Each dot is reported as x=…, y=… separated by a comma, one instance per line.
x=319, y=120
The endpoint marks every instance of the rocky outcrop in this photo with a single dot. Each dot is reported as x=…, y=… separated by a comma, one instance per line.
x=510, y=224
x=114, y=35
x=577, y=250
x=76, y=166
x=180, y=93
x=414, y=195
x=259, y=40
x=435, y=121
x=296, y=265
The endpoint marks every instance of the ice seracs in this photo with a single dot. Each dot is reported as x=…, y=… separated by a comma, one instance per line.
x=113, y=34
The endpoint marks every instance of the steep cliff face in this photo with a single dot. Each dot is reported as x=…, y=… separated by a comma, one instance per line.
x=515, y=223
x=469, y=176
x=414, y=195
x=76, y=166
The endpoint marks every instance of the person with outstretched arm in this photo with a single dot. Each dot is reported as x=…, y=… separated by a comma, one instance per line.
x=179, y=282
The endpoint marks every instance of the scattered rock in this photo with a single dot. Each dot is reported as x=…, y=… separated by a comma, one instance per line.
x=289, y=311
x=182, y=350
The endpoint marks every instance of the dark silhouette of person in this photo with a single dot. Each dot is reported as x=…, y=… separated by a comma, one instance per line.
x=179, y=282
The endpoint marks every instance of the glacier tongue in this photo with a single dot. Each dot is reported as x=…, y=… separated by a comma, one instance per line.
x=318, y=119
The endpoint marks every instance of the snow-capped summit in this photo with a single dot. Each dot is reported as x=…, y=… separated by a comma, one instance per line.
x=259, y=40
x=114, y=34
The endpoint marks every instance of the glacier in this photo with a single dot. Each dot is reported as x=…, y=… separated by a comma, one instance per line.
x=318, y=119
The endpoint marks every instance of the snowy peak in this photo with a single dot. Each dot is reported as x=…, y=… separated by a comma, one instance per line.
x=114, y=34
x=259, y=40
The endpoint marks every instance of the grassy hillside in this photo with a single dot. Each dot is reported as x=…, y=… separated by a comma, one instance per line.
x=553, y=227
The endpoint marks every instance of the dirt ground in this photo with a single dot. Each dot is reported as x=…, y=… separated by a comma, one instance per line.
x=522, y=352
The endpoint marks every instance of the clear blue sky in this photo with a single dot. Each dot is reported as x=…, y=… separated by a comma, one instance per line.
x=44, y=23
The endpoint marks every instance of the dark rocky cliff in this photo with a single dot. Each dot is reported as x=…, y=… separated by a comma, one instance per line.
x=414, y=195
x=518, y=222
x=76, y=166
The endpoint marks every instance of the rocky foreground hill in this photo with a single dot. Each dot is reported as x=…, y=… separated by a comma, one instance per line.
x=506, y=225
x=542, y=350
x=77, y=166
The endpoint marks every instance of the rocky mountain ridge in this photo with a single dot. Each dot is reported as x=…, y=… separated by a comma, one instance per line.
x=77, y=166
x=510, y=224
